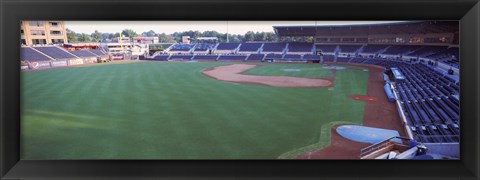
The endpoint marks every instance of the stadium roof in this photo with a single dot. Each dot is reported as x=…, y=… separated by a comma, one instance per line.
x=400, y=28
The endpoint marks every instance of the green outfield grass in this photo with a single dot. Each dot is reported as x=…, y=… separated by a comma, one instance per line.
x=168, y=110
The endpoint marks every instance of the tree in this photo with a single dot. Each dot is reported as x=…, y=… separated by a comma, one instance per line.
x=129, y=33
x=272, y=37
x=71, y=36
x=150, y=33
x=84, y=38
x=260, y=36
x=250, y=36
x=96, y=36
x=164, y=38
x=106, y=36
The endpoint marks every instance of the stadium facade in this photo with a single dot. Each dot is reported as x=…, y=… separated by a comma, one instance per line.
x=43, y=32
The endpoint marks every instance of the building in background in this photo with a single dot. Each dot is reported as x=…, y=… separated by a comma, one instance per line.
x=145, y=40
x=186, y=39
x=121, y=40
x=43, y=32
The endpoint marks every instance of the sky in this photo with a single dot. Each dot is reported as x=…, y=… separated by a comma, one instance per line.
x=169, y=27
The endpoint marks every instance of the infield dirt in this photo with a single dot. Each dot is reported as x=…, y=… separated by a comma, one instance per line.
x=232, y=73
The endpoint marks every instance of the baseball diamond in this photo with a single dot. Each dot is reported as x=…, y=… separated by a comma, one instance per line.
x=373, y=91
x=172, y=111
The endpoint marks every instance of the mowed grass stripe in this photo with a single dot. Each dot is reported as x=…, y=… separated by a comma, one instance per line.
x=152, y=110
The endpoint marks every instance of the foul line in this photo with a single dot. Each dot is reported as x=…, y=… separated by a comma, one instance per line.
x=323, y=141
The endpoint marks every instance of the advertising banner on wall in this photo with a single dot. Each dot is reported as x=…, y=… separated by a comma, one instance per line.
x=76, y=62
x=23, y=66
x=59, y=63
x=40, y=64
x=117, y=57
x=90, y=60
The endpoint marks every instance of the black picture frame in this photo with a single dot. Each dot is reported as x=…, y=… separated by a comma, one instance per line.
x=12, y=11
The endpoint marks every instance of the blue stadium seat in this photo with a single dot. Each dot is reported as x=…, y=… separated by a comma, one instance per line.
x=55, y=52
x=29, y=54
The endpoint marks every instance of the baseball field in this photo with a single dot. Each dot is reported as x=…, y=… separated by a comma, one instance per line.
x=172, y=110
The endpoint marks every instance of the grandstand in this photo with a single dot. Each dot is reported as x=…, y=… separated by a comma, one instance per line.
x=180, y=48
x=97, y=52
x=256, y=57
x=301, y=48
x=205, y=57
x=326, y=48
x=30, y=54
x=181, y=57
x=349, y=48
x=401, y=49
x=427, y=98
x=83, y=53
x=274, y=56
x=250, y=47
x=374, y=49
x=57, y=56
x=201, y=47
x=274, y=47
x=311, y=57
x=232, y=57
x=55, y=52
x=343, y=59
x=226, y=48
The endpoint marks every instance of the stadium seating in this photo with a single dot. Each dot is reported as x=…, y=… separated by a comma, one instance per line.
x=300, y=47
x=427, y=100
x=203, y=47
x=250, y=47
x=343, y=59
x=448, y=56
x=227, y=46
x=372, y=49
x=181, y=57
x=311, y=57
x=256, y=57
x=427, y=50
x=401, y=49
x=97, y=52
x=232, y=57
x=274, y=47
x=326, y=48
x=358, y=60
x=349, y=48
x=205, y=57
x=328, y=58
x=55, y=52
x=83, y=53
x=29, y=54
x=181, y=47
x=161, y=57
x=274, y=56
x=292, y=56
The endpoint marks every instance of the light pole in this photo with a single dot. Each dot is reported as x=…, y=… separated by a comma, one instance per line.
x=227, y=32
